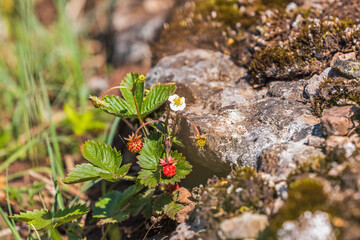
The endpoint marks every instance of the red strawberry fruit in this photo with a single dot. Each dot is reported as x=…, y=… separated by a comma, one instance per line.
x=169, y=170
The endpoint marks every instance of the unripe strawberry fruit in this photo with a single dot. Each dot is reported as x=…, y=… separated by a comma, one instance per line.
x=135, y=143
x=135, y=146
x=169, y=170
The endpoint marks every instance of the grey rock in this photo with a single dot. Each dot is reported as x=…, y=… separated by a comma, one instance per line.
x=315, y=226
x=349, y=68
x=280, y=159
x=240, y=122
x=341, y=146
x=136, y=23
x=246, y=226
x=183, y=232
x=316, y=141
x=314, y=82
x=340, y=121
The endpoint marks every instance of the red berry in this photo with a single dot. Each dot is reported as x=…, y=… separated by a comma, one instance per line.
x=135, y=146
x=169, y=170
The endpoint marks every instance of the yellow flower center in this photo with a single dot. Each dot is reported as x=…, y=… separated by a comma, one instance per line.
x=177, y=101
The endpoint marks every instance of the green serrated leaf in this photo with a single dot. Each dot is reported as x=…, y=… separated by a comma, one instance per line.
x=69, y=214
x=172, y=209
x=131, y=81
x=161, y=201
x=112, y=203
x=119, y=217
x=149, y=178
x=151, y=152
x=43, y=219
x=183, y=168
x=121, y=172
x=118, y=107
x=102, y=155
x=83, y=173
x=142, y=203
x=38, y=218
x=156, y=97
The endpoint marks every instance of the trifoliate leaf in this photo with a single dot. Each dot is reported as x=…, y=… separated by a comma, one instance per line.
x=102, y=155
x=83, y=173
x=133, y=98
x=172, y=209
x=183, y=168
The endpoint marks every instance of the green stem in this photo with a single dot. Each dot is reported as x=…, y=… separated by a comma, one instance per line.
x=146, y=132
x=132, y=178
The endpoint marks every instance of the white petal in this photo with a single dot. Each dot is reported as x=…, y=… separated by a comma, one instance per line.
x=182, y=100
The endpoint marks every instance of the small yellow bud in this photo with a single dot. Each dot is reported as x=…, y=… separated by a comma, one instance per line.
x=98, y=102
x=142, y=77
x=200, y=140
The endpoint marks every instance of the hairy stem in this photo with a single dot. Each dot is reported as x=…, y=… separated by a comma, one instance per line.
x=144, y=124
x=197, y=130
x=118, y=87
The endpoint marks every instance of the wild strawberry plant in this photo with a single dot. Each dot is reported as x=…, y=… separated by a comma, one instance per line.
x=155, y=189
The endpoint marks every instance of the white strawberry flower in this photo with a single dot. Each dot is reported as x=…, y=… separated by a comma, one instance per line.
x=177, y=103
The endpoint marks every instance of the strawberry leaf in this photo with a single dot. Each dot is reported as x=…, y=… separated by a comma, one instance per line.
x=118, y=107
x=161, y=201
x=132, y=81
x=113, y=202
x=126, y=107
x=39, y=219
x=151, y=152
x=183, y=168
x=83, y=173
x=172, y=209
x=149, y=178
x=102, y=155
x=156, y=97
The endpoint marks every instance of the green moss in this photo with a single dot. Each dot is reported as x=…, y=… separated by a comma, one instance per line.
x=305, y=194
x=336, y=91
x=210, y=24
x=243, y=191
x=310, y=51
x=272, y=62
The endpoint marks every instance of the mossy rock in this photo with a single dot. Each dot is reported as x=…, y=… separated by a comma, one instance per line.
x=212, y=24
x=336, y=91
x=244, y=190
x=309, y=51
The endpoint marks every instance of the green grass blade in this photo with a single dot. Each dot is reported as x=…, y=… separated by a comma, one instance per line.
x=58, y=198
x=111, y=134
x=12, y=227
x=18, y=153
